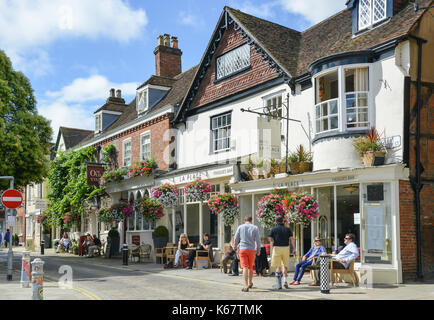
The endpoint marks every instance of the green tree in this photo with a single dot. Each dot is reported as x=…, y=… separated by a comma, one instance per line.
x=24, y=134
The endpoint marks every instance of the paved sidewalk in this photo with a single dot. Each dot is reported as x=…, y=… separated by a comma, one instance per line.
x=261, y=289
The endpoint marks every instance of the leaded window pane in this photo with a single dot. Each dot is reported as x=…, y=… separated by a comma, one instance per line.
x=379, y=10
x=364, y=13
x=233, y=61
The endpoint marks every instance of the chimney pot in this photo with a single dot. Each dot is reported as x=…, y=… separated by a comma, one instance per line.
x=175, y=42
x=167, y=40
x=112, y=93
x=160, y=41
x=118, y=93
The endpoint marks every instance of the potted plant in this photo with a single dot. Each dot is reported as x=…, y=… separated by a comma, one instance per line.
x=300, y=161
x=301, y=208
x=75, y=248
x=370, y=148
x=259, y=170
x=160, y=237
x=197, y=190
x=269, y=207
x=225, y=204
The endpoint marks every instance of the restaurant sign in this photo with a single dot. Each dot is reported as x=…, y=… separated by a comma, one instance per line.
x=94, y=174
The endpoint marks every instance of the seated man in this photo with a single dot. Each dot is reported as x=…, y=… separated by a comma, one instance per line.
x=307, y=260
x=343, y=259
x=96, y=245
x=229, y=254
x=204, y=245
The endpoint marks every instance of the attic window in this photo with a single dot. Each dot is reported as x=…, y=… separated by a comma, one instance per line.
x=142, y=101
x=371, y=12
x=233, y=61
x=98, y=123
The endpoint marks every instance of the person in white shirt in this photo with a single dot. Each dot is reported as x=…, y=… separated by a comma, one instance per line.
x=343, y=259
x=64, y=242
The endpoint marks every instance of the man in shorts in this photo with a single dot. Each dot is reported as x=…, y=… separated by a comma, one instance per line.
x=280, y=236
x=247, y=236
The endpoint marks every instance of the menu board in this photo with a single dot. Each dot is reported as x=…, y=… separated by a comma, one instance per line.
x=374, y=229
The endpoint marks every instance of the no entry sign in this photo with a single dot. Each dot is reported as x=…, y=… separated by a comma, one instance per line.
x=12, y=199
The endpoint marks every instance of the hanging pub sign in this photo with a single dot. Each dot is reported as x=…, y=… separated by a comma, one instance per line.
x=94, y=174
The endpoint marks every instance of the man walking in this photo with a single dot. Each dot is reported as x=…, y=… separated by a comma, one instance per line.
x=280, y=236
x=7, y=238
x=247, y=236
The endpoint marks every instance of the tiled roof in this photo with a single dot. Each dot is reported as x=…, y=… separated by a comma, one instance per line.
x=73, y=136
x=179, y=88
x=159, y=81
x=295, y=51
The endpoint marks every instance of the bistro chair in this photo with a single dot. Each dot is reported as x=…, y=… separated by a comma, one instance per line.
x=170, y=253
x=205, y=255
x=145, y=251
x=350, y=271
x=134, y=251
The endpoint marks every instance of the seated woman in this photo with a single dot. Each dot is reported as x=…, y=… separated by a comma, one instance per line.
x=64, y=242
x=307, y=260
x=183, y=244
x=204, y=245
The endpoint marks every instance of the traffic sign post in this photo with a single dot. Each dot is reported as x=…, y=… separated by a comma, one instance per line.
x=11, y=199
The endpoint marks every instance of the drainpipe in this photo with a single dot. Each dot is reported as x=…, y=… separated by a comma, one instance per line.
x=416, y=181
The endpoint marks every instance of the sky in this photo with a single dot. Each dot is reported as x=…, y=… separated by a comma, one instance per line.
x=74, y=51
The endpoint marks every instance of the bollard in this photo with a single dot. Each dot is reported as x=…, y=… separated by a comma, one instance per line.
x=42, y=246
x=38, y=279
x=324, y=261
x=25, y=269
x=125, y=254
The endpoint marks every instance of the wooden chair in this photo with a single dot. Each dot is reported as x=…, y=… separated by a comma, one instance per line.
x=310, y=268
x=145, y=251
x=221, y=258
x=134, y=251
x=350, y=271
x=159, y=253
x=207, y=257
x=170, y=253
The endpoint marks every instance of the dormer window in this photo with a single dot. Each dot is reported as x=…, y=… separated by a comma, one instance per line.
x=371, y=12
x=142, y=101
x=98, y=123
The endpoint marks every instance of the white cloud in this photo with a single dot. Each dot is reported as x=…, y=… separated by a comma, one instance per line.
x=190, y=19
x=29, y=23
x=27, y=27
x=313, y=10
x=74, y=105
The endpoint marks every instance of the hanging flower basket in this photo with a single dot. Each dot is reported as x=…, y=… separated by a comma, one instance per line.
x=197, y=190
x=70, y=219
x=269, y=207
x=105, y=215
x=142, y=168
x=301, y=208
x=166, y=194
x=121, y=210
x=225, y=204
x=149, y=208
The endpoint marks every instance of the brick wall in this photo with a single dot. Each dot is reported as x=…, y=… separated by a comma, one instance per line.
x=167, y=61
x=159, y=143
x=259, y=73
x=407, y=202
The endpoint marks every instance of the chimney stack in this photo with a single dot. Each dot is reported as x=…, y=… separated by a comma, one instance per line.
x=167, y=57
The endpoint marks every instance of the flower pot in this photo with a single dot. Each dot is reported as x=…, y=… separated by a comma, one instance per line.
x=373, y=158
x=299, y=167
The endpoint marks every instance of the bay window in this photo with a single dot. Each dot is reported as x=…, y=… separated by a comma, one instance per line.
x=342, y=100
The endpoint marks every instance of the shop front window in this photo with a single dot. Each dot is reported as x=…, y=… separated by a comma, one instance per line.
x=377, y=244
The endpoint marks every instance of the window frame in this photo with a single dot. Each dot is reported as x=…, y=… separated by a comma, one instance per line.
x=228, y=75
x=124, y=142
x=227, y=127
x=144, y=91
x=142, y=135
x=342, y=107
x=372, y=21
